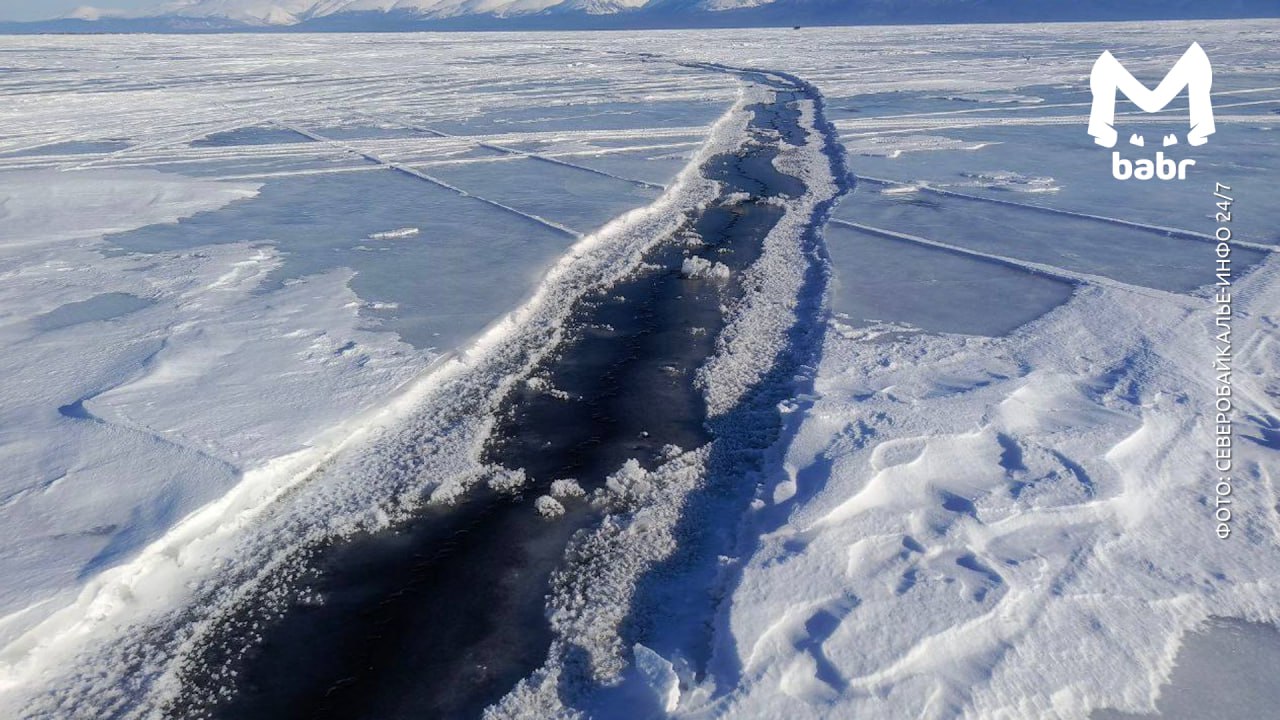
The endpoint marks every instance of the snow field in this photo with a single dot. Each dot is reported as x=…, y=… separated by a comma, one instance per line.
x=966, y=519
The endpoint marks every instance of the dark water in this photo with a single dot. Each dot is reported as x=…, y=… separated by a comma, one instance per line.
x=440, y=617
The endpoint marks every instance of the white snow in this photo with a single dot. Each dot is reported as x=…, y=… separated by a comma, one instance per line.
x=996, y=520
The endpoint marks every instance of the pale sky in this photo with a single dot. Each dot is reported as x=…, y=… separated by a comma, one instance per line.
x=44, y=9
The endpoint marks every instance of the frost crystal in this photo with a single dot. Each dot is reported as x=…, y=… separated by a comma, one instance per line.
x=697, y=268
x=548, y=507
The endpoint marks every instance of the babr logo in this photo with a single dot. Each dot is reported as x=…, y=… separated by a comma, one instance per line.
x=1192, y=72
x=1162, y=167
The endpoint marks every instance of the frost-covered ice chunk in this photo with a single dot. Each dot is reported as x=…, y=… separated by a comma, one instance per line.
x=903, y=189
x=567, y=488
x=692, y=239
x=592, y=595
x=544, y=386
x=548, y=507
x=507, y=481
x=630, y=484
x=696, y=268
x=661, y=676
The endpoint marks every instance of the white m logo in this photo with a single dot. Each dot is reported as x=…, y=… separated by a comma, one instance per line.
x=1192, y=71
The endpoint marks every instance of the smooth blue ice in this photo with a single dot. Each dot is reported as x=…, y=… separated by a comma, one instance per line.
x=880, y=279
x=371, y=132
x=257, y=135
x=106, y=306
x=1087, y=246
x=264, y=163
x=586, y=117
x=71, y=147
x=659, y=167
x=468, y=264
x=580, y=200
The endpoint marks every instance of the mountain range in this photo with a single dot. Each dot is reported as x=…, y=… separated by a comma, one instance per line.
x=352, y=15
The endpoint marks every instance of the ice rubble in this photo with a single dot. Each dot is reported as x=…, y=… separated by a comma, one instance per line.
x=696, y=268
x=593, y=594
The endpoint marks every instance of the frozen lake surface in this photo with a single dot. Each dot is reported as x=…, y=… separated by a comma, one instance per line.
x=264, y=295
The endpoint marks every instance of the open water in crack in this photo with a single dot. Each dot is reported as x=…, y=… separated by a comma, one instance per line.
x=440, y=616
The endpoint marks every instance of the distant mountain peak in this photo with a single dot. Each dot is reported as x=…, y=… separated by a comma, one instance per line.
x=356, y=15
x=292, y=12
x=90, y=13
